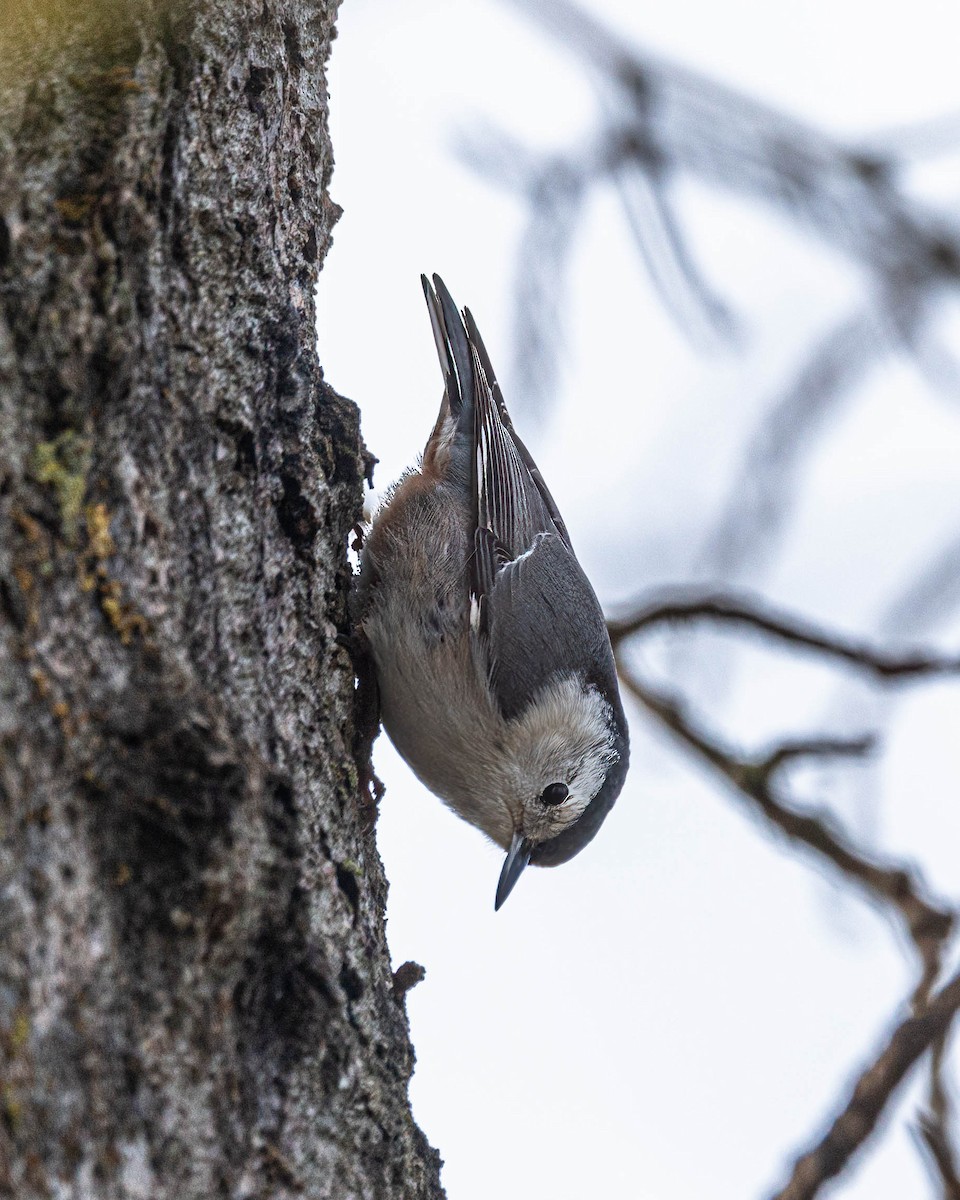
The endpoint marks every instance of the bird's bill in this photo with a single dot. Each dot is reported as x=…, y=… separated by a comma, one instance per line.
x=517, y=858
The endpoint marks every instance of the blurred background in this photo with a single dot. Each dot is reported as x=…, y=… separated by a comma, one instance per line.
x=715, y=256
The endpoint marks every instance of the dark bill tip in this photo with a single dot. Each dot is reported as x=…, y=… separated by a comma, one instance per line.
x=517, y=858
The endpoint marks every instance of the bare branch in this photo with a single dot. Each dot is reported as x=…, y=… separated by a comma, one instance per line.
x=750, y=611
x=934, y=1130
x=666, y=121
x=871, y=1095
x=825, y=747
x=928, y=924
x=933, y=1138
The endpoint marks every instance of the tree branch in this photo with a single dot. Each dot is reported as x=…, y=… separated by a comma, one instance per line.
x=934, y=1129
x=667, y=121
x=933, y=1137
x=871, y=1094
x=848, y=196
x=748, y=610
x=928, y=924
x=754, y=779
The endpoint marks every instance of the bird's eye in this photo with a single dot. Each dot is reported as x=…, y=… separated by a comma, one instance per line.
x=554, y=793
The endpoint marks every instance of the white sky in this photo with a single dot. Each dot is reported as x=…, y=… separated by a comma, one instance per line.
x=674, y=1013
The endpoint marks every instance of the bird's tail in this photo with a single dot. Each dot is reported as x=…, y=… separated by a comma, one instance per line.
x=453, y=347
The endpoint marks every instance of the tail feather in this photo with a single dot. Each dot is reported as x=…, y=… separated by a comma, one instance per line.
x=457, y=340
x=453, y=349
x=439, y=333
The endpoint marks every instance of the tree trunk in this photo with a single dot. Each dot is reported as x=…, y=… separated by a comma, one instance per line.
x=195, y=990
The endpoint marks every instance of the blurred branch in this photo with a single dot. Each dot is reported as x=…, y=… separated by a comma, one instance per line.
x=917, y=141
x=656, y=120
x=762, y=494
x=929, y=927
x=936, y=1142
x=749, y=611
x=670, y=264
x=931, y=594
x=823, y=747
x=556, y=197
x=849, y=196
x=755, y=778
x=871, y=1094
x=553, y=187
x=934, y=1130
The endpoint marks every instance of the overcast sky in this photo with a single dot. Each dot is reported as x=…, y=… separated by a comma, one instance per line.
x=673, y=1014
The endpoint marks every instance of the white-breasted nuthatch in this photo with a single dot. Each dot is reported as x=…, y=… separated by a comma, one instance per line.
x=496, y=677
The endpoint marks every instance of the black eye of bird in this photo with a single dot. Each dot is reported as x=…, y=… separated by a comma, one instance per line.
x=555, y=793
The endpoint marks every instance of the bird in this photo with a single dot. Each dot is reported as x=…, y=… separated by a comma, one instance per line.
x=496, y=678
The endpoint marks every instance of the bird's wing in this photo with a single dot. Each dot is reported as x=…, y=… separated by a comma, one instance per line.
x=541, y=620
x=533, y=608
x=509, y=502
x=493, y=396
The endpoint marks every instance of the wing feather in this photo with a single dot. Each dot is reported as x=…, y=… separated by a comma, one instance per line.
x=509, y=503
x=476, y=342
x=542, y=619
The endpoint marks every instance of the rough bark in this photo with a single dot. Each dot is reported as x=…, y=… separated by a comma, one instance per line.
x=195, y=991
